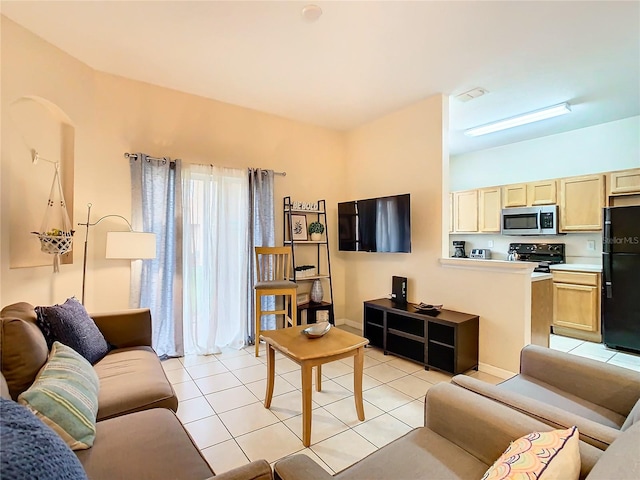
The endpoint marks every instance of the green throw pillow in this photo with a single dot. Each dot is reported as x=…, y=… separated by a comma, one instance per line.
x=65, y=396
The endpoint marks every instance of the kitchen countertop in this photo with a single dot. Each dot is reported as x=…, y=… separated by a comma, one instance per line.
x=538, y=276
x=577, y=267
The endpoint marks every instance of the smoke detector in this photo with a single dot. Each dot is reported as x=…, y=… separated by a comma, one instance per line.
x=471, y=94
x=311, y=13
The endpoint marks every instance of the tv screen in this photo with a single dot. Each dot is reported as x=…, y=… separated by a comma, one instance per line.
x=375, y=224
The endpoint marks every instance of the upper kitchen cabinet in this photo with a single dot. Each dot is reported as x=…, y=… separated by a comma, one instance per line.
x=529, y=194
x=624, y=182
x=489, y=209
x=581, y=203
x=542, y=193
x=465, y=211
x=514, y=195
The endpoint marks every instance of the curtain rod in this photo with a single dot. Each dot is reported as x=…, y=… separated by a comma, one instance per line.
x=135, y=157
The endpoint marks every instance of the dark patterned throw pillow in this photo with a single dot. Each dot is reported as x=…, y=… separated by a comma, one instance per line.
x=71, y=325
x=29, y=449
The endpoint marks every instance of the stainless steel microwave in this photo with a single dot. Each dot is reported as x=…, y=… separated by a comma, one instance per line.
x=541, y=220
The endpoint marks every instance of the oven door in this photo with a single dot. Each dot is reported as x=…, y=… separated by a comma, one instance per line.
x=521, y=221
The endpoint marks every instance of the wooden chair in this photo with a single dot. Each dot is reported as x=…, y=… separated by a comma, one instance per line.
x=273, y=267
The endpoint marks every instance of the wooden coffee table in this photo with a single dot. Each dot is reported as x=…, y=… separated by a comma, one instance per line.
x=313, y=352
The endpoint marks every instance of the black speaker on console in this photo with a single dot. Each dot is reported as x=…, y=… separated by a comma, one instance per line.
x=399, y=290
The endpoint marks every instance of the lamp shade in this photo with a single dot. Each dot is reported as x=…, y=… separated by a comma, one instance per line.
x=131, y=245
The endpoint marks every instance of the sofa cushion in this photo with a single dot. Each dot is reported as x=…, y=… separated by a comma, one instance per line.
x=30, y=449
x=132, y=379
x=621, y=461
x=552, y=455
x=533, y=388
x=149, y=444
x=70, y=324
x=65, y=397
x=418, y=453
x=23, y=349
x=633, y=418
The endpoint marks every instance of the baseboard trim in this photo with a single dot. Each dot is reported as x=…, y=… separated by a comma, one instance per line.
x=350, y=323
x=495, y=371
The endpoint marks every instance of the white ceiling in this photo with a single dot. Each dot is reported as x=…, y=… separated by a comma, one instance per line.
x=361, y=60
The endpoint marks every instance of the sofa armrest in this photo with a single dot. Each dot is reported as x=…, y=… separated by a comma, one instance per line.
x=615, y=388
x=258, y=470
x=593, y=433
x=299, y=467
x=128, y=328
x=485, y=428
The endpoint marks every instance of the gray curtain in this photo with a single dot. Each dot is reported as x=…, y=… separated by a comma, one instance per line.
x=261, y=234
x=157, y=208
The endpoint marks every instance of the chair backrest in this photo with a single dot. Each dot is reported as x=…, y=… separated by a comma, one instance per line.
x=272, y=263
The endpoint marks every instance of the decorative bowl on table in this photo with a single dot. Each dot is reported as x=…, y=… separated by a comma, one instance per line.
x=428, y=309
x=317, y=330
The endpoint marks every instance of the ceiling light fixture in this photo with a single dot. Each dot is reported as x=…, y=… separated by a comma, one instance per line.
x=535, y=116
x=311, y=13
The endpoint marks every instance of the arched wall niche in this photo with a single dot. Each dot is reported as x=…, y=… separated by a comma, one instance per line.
x=37, y=125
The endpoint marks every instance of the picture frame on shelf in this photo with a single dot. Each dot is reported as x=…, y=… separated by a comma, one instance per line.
x=299, y=227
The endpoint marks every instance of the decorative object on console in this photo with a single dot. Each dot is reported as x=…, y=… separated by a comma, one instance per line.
x=317, y=292
x=428, y=308
x=316, y=229
x=129, y=245
x=302, y=298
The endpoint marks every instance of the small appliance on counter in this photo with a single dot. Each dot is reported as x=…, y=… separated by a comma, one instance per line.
x=459, y=249
x=544, y=253
x=484, y=253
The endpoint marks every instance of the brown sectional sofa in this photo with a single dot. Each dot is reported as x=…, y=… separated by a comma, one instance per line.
x=138, y=434
x=464, y=434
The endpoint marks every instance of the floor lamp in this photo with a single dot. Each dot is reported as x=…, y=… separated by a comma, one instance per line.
x=129, y=245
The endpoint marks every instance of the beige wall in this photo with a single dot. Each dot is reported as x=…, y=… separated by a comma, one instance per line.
x=113, y=115
x=403, y=152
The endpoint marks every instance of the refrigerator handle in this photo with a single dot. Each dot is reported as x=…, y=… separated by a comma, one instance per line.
x=606, y=267
x=606, y=234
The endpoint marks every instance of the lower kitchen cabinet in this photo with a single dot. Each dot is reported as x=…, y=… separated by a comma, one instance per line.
x=447, y=342
x=576, y=305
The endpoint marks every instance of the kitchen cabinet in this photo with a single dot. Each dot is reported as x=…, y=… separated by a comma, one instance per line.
x=581, y=202
x=624, y=182
x=529, y=194
x=465, y=211
x=576, y=305
x=514, y=195
x=541, y=311
x=450, y=212
x=542, y=193
x=489, y=209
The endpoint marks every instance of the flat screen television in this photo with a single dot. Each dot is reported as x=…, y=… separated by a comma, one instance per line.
x=380, y=224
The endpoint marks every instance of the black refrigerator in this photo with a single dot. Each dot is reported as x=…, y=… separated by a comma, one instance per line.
x=621, y=278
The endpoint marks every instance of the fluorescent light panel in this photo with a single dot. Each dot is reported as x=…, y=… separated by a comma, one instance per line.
x=535, y=116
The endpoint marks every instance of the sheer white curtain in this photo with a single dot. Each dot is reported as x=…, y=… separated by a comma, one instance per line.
x=215, y=243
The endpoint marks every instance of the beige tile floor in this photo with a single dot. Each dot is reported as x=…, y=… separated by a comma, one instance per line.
x=221, y=404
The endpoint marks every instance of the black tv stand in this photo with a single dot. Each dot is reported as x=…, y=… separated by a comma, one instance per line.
x=447, y=342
